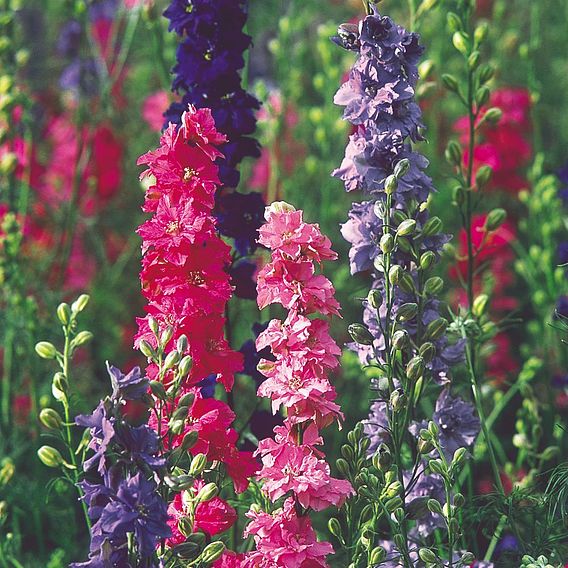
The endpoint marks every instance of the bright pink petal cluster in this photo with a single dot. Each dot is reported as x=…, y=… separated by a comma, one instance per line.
x=185, y=281
x=292, y=464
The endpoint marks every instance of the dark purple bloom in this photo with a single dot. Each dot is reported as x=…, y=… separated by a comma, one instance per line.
x=562, y=307
x=239, y=216
x=207, y=386
x=562, y=253
x=458, y=422
x=242, y=278
x=252, y=357
x=138, y=445
x=132, y=386
x=508, y=544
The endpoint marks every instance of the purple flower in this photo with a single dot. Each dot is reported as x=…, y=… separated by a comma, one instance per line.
x=252, y=357
x=562, y=253
x=132, y=386
x=81, y=77
x=419, y=490
x=562, y=307
x=69, y=39
x=207, y=386
x=102, y=434
x=242, y=278
x=376, y=426
x=458, y=422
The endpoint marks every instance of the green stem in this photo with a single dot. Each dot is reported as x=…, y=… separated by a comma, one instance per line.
x=495, y=539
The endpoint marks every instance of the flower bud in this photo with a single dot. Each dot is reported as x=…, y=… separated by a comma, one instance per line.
x=493, y=115
x=395, y=274
x=50, y=457
x=185, y=366
x=467, y=559
x=64, y=313
x=392, y=505
x=342, y=467
x=427, y=351
x=432, y=227
x=207, y=492
x=398, y=400
x=454, y=153
x=198, y=464
x=82, y=338
x=473, y=60
x=166, y=335
x=171, y=360
x=147, y=350
x=406, y=228
x=480, y=33
x=181, y=345
x=434, y=506
x=459, y=500
x=384, y=458
x=402, y=168
x=378, y=555
x=480, y=305
x=158, y=390
x=360, y=334
x=495, y=219
x=406, y=283
x=433, y=429
x=482, y=96
x=176, y=426
x=427, y=260
x=391, y=184
x=180, y=413
x=189, y=440
x=426, y=555
x=212, y=552
x=80, y=303
x=375, y=299
x=483, y=175
x=50, y=419
x=404, y=244
x=461, y=43
x=59, y=387
x=46, y=350
x=433, y=286
x=454, y=22
x=424, y=446
x=407, y=312
x=400, y=339
x=278, y=207
x=485, y=74
x=185, y=526
x=435, y=329
x=153, y=325
x=425, y=69
x=387, y=243
x=436, y=466
x=415, y=368
x=187, y=399
x=450, y=82
x=459, y=456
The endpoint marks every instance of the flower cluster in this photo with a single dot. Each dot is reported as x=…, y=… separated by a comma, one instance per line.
x=121, y=499
x=292, y=464
x=209, y=59
x=187, y=287
x=505, y=146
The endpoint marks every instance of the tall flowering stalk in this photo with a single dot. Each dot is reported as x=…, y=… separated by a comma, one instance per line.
x=187, y=287
x=393, y=236
x=293, y=466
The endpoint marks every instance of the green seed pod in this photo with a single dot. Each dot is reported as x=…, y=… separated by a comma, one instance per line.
x=392, y=504
x=80, y=303
x=180, y=413
x=404, y=244
x=427, y=351
x=185, y=526
x=360, y=334
x=207, y=492
x=483, y=175
x=375, y=299
x=398, y=400
x=64, y=313
x=450, y=82
x=427, y=260
x=212, y=552
x=391, y=184
x=46, y=350
x=433, y=286
x=459, y=456
x=480, y=305
x=50, y=419
x=436, y=466
x=424, y=446
x=433, y=429
x=467, y=559
x=50, y=457
x=387, y=243
x=436, y=329
x=495, y=219
x=153, y=325
x=432, y=227
x=400, y=339
x=425, y=69
x=406, y=228
x=407, y=312
x=415, y=368
x=461, y=43
x=459, y=500
x=198, y=464
x=384, y=458
x=402, y=168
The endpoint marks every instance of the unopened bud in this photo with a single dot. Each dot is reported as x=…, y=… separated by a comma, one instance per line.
x=395, y=274
x=278, y=207
x=427, y=260
x=415, y=368
x=64, y=313
x=454, y=153
x=46, y=350
x=435, y=329
x=480, y=33
x=495, y=219
x=483, y=175
x=181, y=345
x=450, y=82
x=427, y=351
x=391, y=184
x=473, y=60
x=158, y=390
x=454, y=22
x=198, y=464
x=189, y=440
x=80, y=303
x=426, y=555
x=147, y=350
x=406, y=228
x=185, y=366
x=335, y=528
x=82, y=338
x=461, y=42
x=402, y=168
x=432, y=227
x=207, y=492
x=166, y=335
x=212, y=552
x=59, y=387
x=50, y=419
x=398, y=400
x=407, y=312
x=360, y=334
x=480, y=305
x=171, y=360
x=434, y=506
x=433, y=286
x=387, y=243
x=378, y=555
x=375, y=299
x=400, y=339
x=50, y=457
x=493, y=115
x=482, y=96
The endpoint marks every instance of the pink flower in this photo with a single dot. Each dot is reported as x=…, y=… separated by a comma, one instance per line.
x=229, y=559
x=284, y=540
x=153, y=109
x=296, y=469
